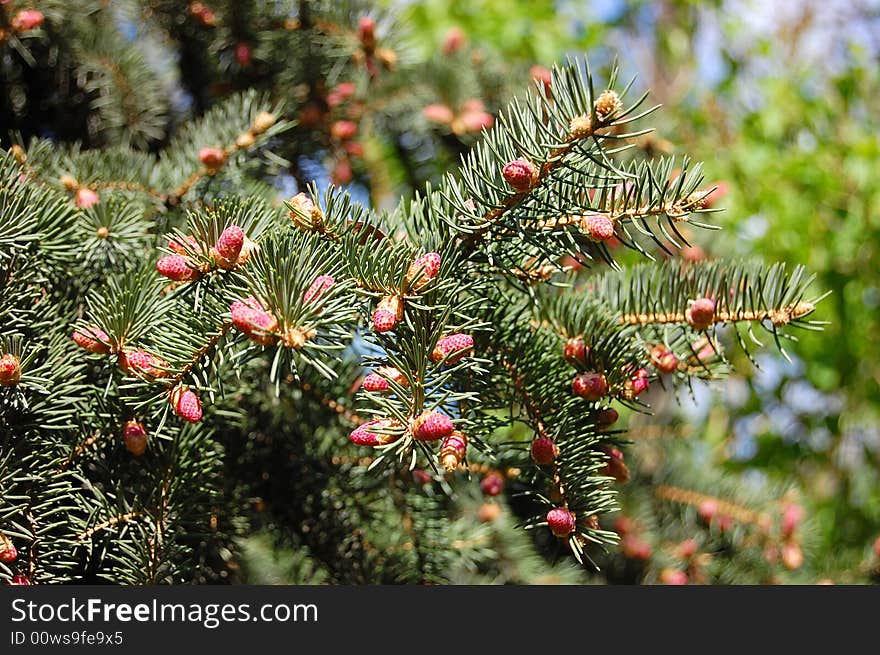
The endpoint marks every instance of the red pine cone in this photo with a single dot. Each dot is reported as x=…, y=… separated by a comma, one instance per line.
x=186, y=404
x=342, y=173
x=249, y=317
x=473, y=104
x=701, y=314
x=575, y=351
x=560, y=521
x=343, y=130
x=175, y=268
x=85, y=198
x=438, y=114
x=135, y=437
x=202, y=14
x=623, y=525
x=388, y=313
x=228, y=247
x=383, y=320
x=633, y=547
x=8, y=551
x=140, y=362
x=334, y=98
x=589, y=386
x=792, y=516
x=521, y=174
x=543, y=75
x=340, y=93
x=364, y=436
x=20, y=580
x=26, y=20
x=431, y=426
x=367, y=32
x=607, y=417
x=453, y=40
x=663, y=359
x=378, y=381
x=707, y=510
x=93, y=339
x=616, y=466
x=452, y=348
x=473, y=120
x=346, y=89
x=212, y=158
x=248, y=303
x=636, y=384
x=375, y=383
x=354, y=148
x=673, y=577
x=686, y=549
x=724, y=522
x=544, y=451
x=598, y=227
x=452, y=450
x=722, y=188
x=692, y=253
x=492, y=484
x=318, y=288
x=243, y=54
x=423, y=270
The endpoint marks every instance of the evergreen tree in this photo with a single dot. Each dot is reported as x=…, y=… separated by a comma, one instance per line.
x=187, y=359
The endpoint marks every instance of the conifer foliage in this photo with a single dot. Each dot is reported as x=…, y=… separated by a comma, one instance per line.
x=186, y=359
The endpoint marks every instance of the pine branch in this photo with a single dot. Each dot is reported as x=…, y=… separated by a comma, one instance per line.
x=779, y=317
x=695, y=499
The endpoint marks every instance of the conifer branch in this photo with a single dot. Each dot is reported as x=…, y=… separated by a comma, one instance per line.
x=532, y=411
x=777, y=316
x=210, y=343
x=695, y=499
x=458, y=354
x=583, y=129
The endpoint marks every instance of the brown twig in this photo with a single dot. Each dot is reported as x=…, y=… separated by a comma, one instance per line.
x=109, y=523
